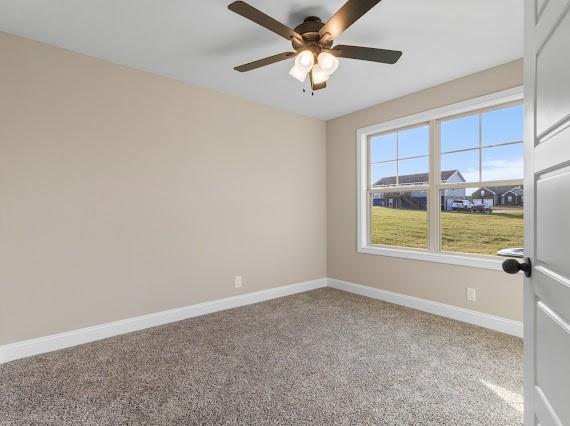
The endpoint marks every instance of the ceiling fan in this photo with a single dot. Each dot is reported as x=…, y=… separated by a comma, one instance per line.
x=313, y=42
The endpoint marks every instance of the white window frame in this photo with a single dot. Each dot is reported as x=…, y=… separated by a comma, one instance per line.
x=433, y=253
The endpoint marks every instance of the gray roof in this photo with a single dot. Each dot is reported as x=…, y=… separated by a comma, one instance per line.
x=417, y=178
x=517, y=191
x=502, y=190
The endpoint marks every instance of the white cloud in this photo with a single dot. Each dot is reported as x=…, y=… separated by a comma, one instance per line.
x=496, y=170
x=503, y=169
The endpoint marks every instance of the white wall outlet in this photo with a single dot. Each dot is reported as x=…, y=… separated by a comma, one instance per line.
x=471, y=294
x=238, y=281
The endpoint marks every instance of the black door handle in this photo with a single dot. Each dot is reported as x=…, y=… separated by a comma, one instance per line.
x=512, y=266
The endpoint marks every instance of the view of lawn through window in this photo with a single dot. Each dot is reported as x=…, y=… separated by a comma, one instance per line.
x=479, y=191
x=394, y=225
x=484, y=232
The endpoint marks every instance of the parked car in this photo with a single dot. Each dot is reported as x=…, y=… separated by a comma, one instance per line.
x=462, y=205
x=512, y=252
x=482, y=208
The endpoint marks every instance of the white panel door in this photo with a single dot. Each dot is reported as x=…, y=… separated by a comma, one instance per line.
x=547, y=212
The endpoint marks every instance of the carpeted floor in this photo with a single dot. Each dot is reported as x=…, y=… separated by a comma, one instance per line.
x=322, y=357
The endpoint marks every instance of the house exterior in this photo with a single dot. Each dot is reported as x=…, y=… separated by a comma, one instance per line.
x=498, y=196
x=417, y=200
x=513, y=197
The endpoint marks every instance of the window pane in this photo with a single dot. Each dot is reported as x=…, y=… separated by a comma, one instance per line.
x=461, y=133
x=399, y=219
x=413, y=142
x=383, y=147
x=466, y=163
x=482, y=220
x=503, y=125
x=414, y=171
x=503, y=162
x=383, y=174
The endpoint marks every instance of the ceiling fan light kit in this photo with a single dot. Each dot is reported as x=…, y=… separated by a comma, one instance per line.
x=321, y=69
x=298, y=73
x=328, y=62
x=305, y=60
x=313, y=42
x=318, y=76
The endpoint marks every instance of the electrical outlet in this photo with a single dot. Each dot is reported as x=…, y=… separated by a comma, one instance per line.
x=471, y=294
x=237, y=281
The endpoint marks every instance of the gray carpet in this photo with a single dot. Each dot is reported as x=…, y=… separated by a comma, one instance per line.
x=322, y=357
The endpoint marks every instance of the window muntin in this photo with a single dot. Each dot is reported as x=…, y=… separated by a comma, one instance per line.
x=413, y=142
x=474, y=151
x=403, y=152
x=413, y=166
x=381, y=172
x=486, y=146
x=502, y=125
x=503, y=162
x=383, y=147
x=460, y=133
x=466, y=162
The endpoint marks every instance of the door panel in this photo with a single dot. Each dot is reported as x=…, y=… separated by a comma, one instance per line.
x=547, y=156
x=540, y=4
x=553, y=290
x=552, y=349
x=552, y=210
x=543, y=411
x=553, y=67
x=547, y=212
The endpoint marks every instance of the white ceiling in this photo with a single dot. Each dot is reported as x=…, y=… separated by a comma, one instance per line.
x=200, y=41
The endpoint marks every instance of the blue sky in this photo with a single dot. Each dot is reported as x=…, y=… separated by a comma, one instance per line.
x=498, y=126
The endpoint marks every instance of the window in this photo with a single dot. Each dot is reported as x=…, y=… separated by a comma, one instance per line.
x=444, y=185
x=386, y=220
x=395, y=157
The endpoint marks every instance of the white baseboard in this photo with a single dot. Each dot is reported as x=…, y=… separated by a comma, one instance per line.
x=54, y=342
x=481, y=319
x=67, y=339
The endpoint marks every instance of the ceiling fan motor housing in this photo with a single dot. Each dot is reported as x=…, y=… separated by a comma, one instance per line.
x=309, y=30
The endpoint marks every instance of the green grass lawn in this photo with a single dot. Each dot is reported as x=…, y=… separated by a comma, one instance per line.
x=461, y=232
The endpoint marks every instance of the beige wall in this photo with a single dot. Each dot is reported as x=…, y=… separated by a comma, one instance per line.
x=497, y=293
x=124, y=193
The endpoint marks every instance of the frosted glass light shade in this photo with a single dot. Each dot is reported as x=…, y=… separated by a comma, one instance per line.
x=327, y=62
x=305, y=60
x=318, y=75
x=298, y=73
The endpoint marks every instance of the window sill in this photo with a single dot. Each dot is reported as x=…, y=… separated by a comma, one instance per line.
x=483, y=262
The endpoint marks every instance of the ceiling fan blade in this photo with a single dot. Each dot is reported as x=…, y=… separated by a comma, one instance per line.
x=347, y=15
x=265, y=61
x=266, y=21
x=384, y=56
